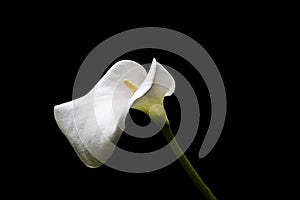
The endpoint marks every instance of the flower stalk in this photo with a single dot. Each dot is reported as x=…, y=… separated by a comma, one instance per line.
x=158, y=115
x=185, y=163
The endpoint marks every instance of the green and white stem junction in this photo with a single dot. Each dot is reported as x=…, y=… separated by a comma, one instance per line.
x=155, y=110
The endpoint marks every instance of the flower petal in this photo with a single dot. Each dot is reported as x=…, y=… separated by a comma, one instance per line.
x=158, y=84
x=64, y=117
x=94, y=122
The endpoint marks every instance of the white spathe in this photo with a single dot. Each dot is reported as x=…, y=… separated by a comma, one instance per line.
x=93, y=123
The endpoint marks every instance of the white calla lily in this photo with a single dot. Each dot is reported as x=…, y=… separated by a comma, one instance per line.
x=94, y=123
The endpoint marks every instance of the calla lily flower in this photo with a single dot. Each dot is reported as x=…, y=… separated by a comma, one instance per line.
x=94, y=123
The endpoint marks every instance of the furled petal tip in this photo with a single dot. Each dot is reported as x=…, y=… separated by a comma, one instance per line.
x=93, y=123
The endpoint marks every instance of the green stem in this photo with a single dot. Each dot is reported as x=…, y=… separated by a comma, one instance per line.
x=190, y=170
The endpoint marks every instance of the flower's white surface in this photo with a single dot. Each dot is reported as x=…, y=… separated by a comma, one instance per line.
x=94, y=123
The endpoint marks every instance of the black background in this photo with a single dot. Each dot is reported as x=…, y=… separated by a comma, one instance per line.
x=44, y=163
x=168, y=182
